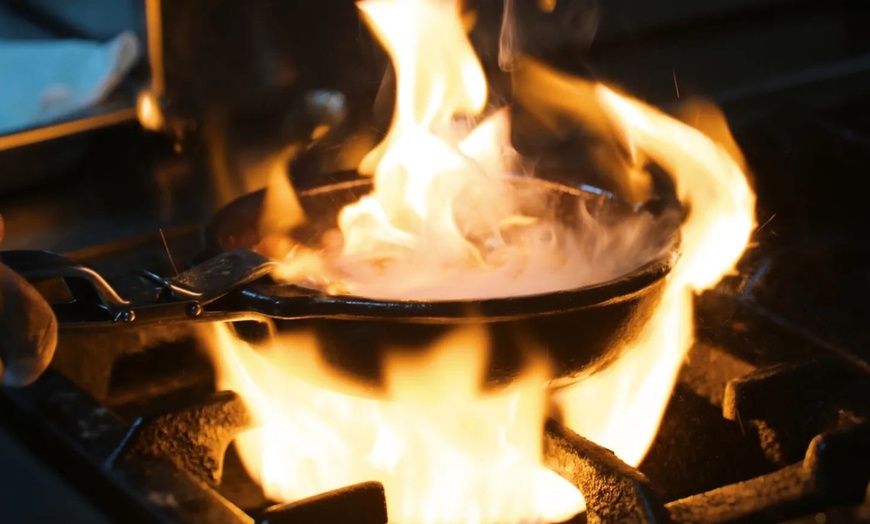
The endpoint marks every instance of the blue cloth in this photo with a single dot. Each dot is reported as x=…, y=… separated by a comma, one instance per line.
x=45, y=80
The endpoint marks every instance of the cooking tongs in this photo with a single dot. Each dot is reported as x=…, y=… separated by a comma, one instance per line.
x=87, y=298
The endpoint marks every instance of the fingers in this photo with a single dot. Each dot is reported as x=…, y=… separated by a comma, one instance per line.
x=28, y=330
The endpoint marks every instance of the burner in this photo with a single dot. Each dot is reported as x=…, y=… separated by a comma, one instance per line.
x=768, y=421
x=793, y=441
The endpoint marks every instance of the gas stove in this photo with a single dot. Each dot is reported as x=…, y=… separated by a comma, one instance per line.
x=768, y=421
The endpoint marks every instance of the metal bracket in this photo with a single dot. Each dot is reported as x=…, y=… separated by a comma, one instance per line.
x=187, y=292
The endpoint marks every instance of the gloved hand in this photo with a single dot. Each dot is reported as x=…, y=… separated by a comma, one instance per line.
x=28, y=329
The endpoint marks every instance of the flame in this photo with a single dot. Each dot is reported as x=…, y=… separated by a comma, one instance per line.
x=315, y=434
x=445, y=450
x=421, y=167
x=445, y=219
x=281, y=208
x=622, y=407
x=148, y=111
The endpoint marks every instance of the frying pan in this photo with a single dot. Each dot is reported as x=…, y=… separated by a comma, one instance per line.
x=579, y=330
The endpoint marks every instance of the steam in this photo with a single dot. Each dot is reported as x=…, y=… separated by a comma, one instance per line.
x=531, y=252
x=508, y=40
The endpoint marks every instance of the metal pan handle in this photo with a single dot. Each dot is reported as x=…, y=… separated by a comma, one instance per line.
x=36, y=266
x=186, y=295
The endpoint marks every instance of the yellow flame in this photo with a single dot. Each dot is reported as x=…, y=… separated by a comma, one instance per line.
x=148, y=111
x=621, y=407
x=281, y=208
x=445, y=219
x=444, y=451
x=419, y=168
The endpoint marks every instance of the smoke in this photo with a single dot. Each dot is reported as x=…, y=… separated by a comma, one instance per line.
x=531, y=253
x=547, y=237
x=508, y=40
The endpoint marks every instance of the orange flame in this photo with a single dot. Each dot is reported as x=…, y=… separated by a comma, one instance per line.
x=422, y=166
x=444, y=219
x=621, y=407
x=445, y=450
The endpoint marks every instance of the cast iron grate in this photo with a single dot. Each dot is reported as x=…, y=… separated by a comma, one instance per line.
x=769, y=420
x=169, y=466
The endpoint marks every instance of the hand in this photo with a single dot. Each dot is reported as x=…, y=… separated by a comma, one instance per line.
x=28, y=329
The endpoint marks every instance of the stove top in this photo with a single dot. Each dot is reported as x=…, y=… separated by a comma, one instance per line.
x=769, y=421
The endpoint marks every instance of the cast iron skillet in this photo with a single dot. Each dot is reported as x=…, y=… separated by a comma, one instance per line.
x=579, y=330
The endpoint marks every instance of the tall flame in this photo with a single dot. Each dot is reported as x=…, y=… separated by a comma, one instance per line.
x=445, y=450
x=621, y=407
x=445, y=219
x=420, y=168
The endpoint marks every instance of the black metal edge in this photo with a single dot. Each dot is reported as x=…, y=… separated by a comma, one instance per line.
x=74, y=435
x=831, y=474
x=261, y=298
x=614, y=491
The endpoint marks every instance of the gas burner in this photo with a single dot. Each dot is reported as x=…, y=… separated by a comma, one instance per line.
x=764, y=416
x=765, y=424
x=738, y=443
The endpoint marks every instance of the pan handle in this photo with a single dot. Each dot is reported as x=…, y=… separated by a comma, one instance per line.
x=36, y=266
x=185, y=296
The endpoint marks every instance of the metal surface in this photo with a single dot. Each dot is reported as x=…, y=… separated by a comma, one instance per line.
x=174, y=299
x=614, y=491
x=76, y=435
x=159, y=462
x=217, y=276
x=228, y=285
x=835, y=472
x=164, y=457
x=97, y=119
x=790, y=404
x=358, y=504
x=807, y=298
x=194, y=437
x=25, y=480
x=41, y=265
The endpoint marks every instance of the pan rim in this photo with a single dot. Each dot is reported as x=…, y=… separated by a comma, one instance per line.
x=617, y=289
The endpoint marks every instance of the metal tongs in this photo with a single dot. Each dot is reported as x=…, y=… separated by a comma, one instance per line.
x=91, y=299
